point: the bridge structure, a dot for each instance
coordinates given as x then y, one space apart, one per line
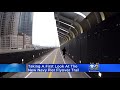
89 37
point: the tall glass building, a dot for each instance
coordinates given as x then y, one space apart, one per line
25 26
15 30
25 23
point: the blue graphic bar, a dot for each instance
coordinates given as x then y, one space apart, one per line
74 68
60 68
12 68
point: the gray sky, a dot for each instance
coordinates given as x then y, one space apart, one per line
44 29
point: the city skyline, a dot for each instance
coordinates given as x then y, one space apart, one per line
23 30
15 30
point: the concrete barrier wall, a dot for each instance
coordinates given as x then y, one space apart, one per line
16 57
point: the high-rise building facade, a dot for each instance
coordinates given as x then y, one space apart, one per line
13 27
20 41
9 29
25 23
25 27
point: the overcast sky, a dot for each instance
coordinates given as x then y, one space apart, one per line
44 29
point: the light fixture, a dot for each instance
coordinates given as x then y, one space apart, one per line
99 74
81 14
65 23
63 30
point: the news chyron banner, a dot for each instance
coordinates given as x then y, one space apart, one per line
13 67
60 67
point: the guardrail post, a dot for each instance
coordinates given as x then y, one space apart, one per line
22 61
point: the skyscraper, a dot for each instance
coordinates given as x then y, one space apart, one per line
25 27
9 29
15 30
25 23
